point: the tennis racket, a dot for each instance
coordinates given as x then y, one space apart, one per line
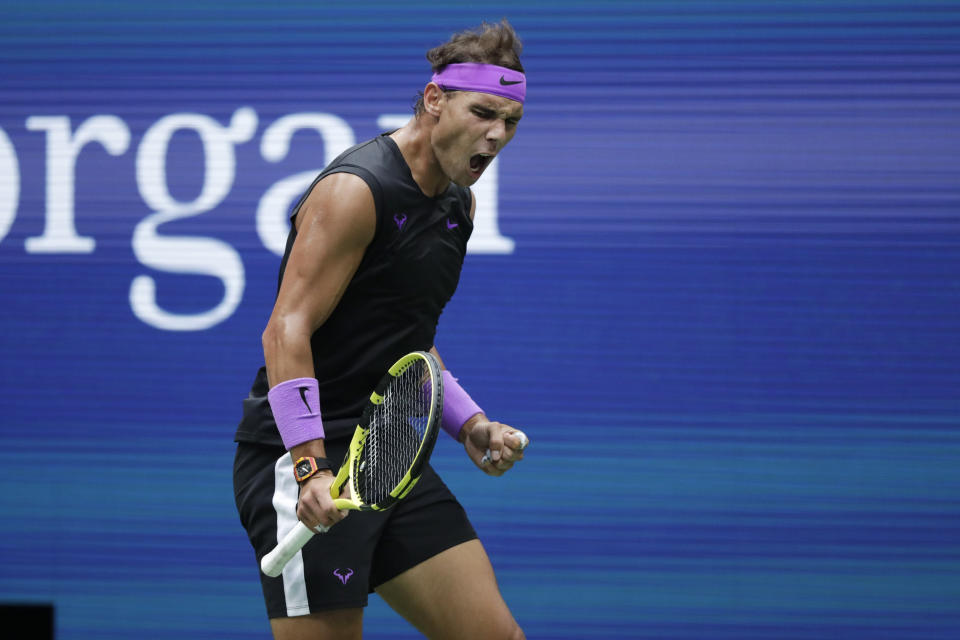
389 449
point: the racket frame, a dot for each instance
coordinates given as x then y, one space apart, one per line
352 459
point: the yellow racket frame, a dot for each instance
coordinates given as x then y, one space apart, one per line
348 469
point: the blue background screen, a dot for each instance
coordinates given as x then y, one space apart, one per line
715 277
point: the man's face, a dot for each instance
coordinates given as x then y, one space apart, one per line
472 129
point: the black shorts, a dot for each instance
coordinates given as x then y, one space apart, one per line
338 569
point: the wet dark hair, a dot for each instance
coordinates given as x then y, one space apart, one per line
488 44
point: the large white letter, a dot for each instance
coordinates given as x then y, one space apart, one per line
59 232
9 184
272 223
486 236
194 255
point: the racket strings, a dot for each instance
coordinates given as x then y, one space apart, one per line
396 430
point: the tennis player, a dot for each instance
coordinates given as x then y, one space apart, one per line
374 253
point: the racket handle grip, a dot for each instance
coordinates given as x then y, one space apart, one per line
273 563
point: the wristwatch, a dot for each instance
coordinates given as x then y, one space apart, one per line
307 467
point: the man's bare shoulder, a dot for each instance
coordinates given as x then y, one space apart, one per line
340 203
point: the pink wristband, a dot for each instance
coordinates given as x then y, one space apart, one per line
296 409
458 407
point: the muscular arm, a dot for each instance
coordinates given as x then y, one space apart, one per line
334 227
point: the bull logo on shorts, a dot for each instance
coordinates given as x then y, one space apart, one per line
343 574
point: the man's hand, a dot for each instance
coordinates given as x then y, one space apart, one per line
493 446
316 506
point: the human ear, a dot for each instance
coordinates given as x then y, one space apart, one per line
433 97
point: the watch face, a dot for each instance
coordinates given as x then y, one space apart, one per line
303 468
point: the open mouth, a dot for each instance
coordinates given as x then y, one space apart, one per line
479 162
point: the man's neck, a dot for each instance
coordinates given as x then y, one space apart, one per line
413 139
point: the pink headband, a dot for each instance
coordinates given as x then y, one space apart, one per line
485 78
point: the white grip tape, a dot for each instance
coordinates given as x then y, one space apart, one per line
273 563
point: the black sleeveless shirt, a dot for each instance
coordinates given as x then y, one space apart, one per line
394 301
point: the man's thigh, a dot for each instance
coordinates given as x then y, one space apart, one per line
453 595
340 624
